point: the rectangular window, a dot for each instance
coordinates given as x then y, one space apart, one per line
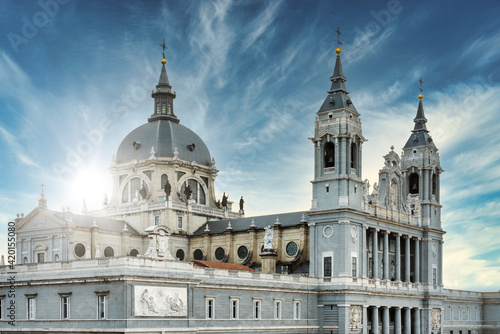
2 306
469 315
296 309
40 257
434 276
277 309
210 308
451 314
64 307
179 222
354 265
31 308
477 315
157 220
235 308
327 266
101 306
256 308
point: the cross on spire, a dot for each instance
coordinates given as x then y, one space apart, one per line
164 47
421 82
339 43
42 187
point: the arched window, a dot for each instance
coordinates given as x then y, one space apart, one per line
434 184
329 156
180 254
196 191
164 179
135 190
109 252
157 108
414 183
354 155
134 252
164 108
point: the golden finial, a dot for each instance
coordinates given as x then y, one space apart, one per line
164 47
338 50
421 96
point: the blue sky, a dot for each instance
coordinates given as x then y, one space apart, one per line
249 77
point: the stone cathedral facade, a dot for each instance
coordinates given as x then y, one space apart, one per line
163 255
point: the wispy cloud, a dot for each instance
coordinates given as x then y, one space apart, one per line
367 43
15 148
261 24
482 51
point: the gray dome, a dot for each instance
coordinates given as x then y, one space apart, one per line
164 136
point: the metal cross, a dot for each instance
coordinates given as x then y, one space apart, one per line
421 82
42 187
339 43
164 47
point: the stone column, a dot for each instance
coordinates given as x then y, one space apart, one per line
416 318
385 320
375 319
365 320
321 317
417 260
397 320
398 257
344 318
407 258
375 253
407 328
386 254
364 247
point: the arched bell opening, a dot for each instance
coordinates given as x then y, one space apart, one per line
329 154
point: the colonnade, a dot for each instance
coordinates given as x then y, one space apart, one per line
404 320
402 259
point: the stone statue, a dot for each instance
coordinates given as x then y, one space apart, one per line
268 238
224 200
366 190
417 207
375 193
188 192
241 203
436 318
408 205
393 270
168 189
355 317
176 154
393 195
151 252
144 192
218 205
97 251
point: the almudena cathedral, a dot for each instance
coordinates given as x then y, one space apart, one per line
164 256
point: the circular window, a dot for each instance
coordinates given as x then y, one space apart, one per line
198 254
219 254
242 252
327 231
109 252
180 254
291 248
79 250
134 252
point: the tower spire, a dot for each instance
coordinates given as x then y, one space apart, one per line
420 135
164 98
42 202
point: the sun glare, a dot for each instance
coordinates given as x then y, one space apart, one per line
89 187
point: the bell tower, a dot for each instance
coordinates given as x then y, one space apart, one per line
337 143
422 171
